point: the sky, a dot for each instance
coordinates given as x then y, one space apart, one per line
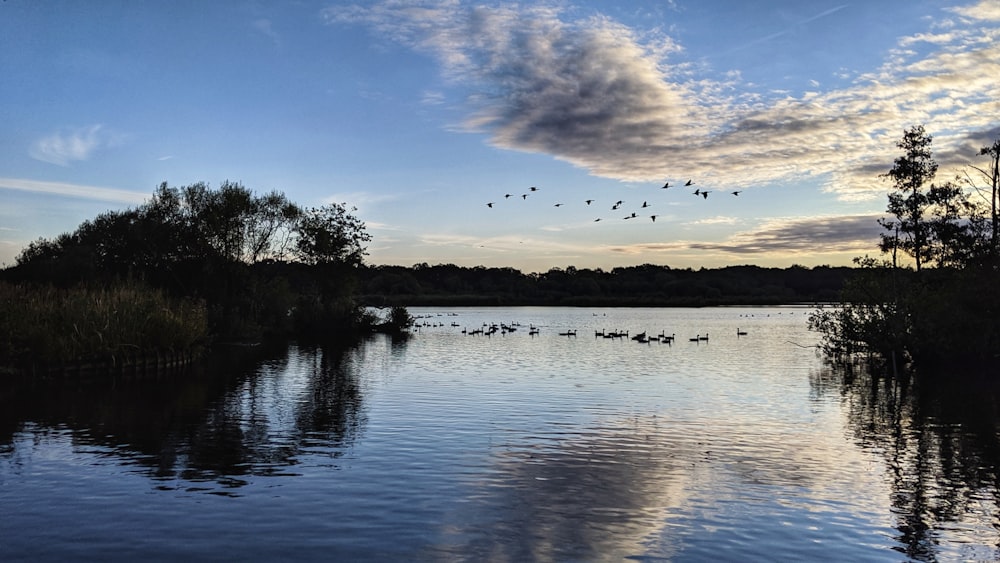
420 114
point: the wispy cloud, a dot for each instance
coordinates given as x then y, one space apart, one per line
717 220
74 190
816 237
793 26
63 147
265 27
358 199
613 101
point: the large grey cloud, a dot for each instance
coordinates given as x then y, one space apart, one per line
610 99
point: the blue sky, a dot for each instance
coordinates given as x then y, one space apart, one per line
420 113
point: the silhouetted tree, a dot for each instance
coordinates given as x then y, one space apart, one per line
330 235
252 258
910 200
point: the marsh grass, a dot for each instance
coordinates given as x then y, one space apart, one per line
50 325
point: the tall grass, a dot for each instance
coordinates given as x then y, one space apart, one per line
48 325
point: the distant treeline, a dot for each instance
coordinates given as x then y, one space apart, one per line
635 286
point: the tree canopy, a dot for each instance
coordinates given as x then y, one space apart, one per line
248 255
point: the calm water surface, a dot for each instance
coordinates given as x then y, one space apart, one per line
510 447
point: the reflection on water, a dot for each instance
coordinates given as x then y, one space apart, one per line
939 442
246 412
444 446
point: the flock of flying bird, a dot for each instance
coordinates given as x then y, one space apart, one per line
617 205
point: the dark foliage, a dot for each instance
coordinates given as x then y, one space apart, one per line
646 285
260 264
940 311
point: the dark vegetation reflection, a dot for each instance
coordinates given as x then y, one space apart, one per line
940 444
216 422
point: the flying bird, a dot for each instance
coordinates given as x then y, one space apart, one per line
632 216
704 195
557 205
689 183
737 192
697 191
589 201
533 188
644 204
665 186
507 196
596 220
653 217
490 204
524 196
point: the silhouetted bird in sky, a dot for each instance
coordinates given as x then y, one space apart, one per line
632 216
557 205
524 196
737 192
644 204
704 195
653 217
490 204
533 188
589 201
665 186
689 183
596 220
507 196
697 191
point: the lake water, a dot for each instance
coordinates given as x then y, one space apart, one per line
513 447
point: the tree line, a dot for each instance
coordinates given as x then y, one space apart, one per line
927 301
645 285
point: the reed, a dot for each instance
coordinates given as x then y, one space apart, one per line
50 325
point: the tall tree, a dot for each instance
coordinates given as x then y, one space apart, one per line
910 173
991 174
